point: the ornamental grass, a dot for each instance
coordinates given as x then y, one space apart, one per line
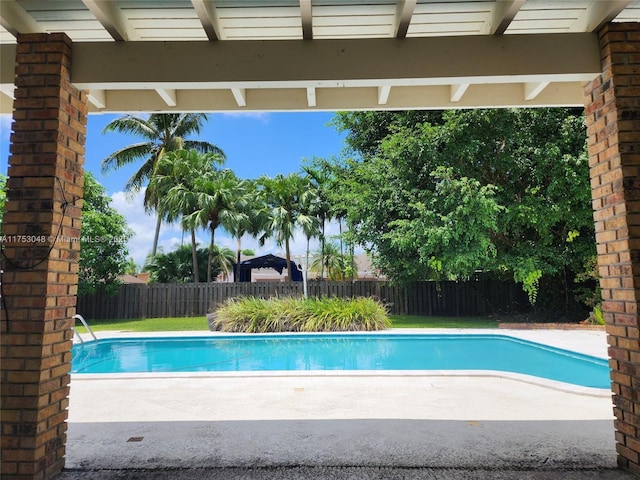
290 314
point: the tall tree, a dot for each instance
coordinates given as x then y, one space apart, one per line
251 218
162 133
216 194
498 190
330 261
103 243
175 178
321 179
285 197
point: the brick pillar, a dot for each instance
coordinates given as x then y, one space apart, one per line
40 272
613 127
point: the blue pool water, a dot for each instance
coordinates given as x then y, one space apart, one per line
339 352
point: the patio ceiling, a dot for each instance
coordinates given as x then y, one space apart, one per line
252 55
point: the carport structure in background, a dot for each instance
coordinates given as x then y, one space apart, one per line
67 59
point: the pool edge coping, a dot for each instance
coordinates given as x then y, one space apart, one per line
519 377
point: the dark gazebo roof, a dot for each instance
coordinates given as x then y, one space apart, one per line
268 261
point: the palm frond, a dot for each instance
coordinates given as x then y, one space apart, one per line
127 155
132 125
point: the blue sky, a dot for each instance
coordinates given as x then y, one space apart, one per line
254 143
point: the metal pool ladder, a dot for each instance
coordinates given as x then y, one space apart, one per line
84 322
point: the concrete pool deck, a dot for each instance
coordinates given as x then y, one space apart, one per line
342 426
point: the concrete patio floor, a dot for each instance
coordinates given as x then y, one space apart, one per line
335 426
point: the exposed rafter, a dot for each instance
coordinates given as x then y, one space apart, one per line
169 96
457 91
597 14
112 19
404 12
383 94
307 19
533 89
15 19
208 16
7 90
240 94
98 98
311 96
501 16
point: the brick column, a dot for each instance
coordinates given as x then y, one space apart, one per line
613 128
39 283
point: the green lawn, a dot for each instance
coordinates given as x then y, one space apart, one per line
419 321
200 323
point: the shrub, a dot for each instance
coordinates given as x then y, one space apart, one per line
257 315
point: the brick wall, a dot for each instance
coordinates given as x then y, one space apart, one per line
40 268
613 128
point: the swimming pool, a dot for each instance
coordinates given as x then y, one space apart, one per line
287 352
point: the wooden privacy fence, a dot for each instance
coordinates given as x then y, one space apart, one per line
479 297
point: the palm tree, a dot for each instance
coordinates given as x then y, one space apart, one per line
163 133
174 182
222 260
215 194
285 197
330 261
318 170
251 218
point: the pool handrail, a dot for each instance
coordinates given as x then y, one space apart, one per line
84 322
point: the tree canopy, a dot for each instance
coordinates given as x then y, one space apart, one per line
103 243
162 133
443 194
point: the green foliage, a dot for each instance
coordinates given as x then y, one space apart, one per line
3 196
287 199
104 236
162 133
131 267
597 316
329 262
257 315
177 266
248 252
530 280
438 195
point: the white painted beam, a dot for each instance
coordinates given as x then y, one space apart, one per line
383 94
112 19
402 19
169 96
330 63
15 19
311 96
501 16
307 19
98 99
597 14
403 98
457 91
240 95
532 90
206 11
